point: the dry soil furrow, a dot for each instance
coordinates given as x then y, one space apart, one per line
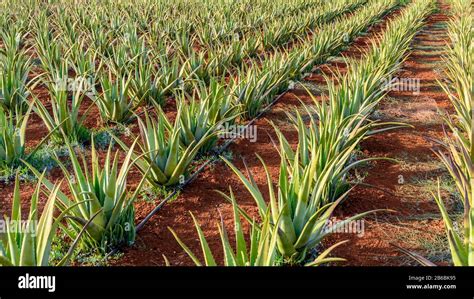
405 186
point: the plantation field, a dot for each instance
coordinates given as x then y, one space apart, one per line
236 133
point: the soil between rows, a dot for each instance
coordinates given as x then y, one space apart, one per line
405 186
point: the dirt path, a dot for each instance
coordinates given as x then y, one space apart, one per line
407 184
200 198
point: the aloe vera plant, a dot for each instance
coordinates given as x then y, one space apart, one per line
194 124
14 91
151 86
49 50
298 206
170 74
12 138
84 63
261 250
305 199
162 157
121 61
64 118
100 38
326 137
342 122
204 118
219 101
28 242
322 143
197 66
115 103
101 193
252 91
13 39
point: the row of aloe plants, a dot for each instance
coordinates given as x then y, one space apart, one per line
313 179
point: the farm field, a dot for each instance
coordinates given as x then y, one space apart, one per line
237 133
